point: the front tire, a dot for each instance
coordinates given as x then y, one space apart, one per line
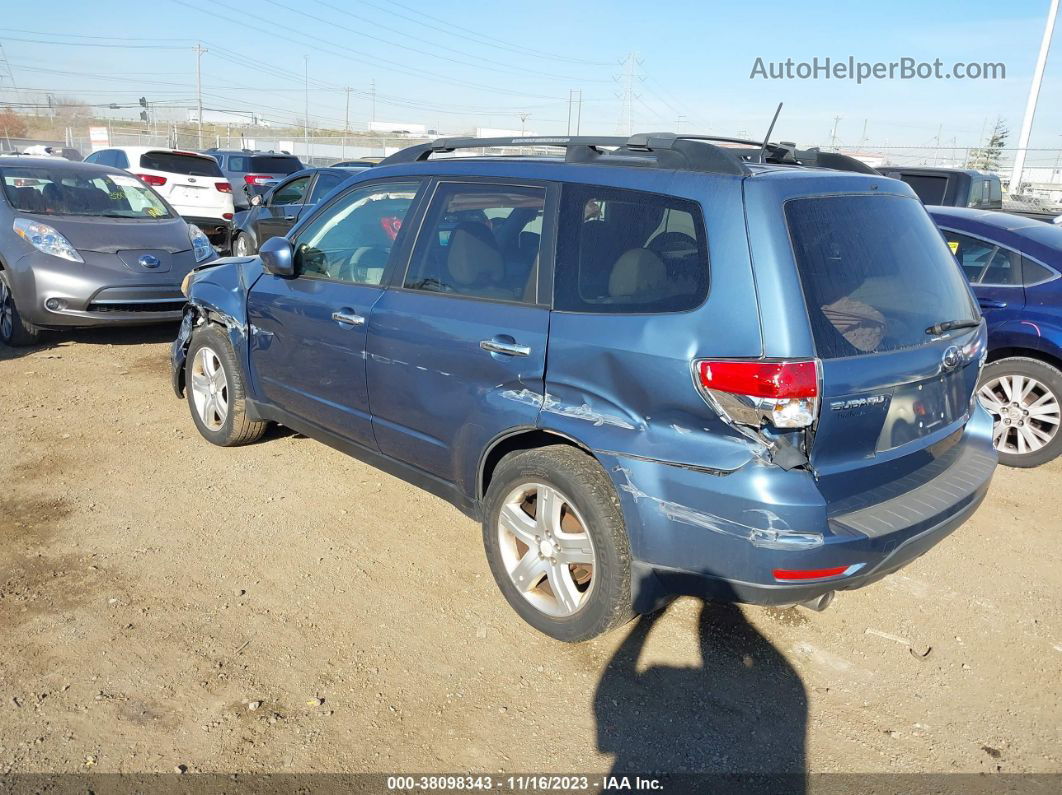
557 544
1023 395
215 391
242 246
14 331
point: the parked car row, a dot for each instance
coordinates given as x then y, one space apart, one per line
754 380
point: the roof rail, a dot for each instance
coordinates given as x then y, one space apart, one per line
660 150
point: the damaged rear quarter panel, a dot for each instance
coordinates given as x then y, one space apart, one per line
624 382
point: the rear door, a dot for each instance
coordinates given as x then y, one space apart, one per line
283 208
877 277
994 273
308 332
457 350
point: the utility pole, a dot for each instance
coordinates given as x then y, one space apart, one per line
306 108
372 100
679 122
199 50
571 92
579 113
936 147
523 123
863 140
630 65
1034 95
346 125
833 135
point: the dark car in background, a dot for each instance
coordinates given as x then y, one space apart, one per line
354 164
88 245
1014 266
252 172
652 367
273 214
950 187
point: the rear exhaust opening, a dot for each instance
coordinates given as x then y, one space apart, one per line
819 603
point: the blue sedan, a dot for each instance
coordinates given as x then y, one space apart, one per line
1014 266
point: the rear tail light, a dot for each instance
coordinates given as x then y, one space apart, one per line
227 216
224 187
786 394
152 179
256 179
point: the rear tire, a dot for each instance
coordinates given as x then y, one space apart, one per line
568 575
215 391
14 331
1023 395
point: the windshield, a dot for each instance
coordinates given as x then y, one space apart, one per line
275 165
875 272
66 192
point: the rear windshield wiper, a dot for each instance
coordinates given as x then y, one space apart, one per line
950 325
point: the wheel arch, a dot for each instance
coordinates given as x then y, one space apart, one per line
1010 352
513 440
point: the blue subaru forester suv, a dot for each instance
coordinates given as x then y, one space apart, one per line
658 365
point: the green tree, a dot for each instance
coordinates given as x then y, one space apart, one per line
988 157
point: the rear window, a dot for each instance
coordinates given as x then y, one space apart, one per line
875 273
273 165
930 190
176 163
623 251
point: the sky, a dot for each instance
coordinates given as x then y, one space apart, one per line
464 64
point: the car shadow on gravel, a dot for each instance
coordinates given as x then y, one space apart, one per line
742 712
132 335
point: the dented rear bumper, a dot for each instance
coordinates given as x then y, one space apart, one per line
725 535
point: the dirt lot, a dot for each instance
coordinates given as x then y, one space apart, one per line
164 602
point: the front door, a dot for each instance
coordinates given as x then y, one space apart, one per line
456 354
308 332
282 208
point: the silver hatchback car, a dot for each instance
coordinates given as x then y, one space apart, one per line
88 245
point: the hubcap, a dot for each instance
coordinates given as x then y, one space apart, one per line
210 389
7 312
546 549
1026 413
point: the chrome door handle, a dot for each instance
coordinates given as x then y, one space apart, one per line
987 303
289 218
349 319
508 348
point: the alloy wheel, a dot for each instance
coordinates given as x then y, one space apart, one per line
210 388
7 312
546 549
1026 413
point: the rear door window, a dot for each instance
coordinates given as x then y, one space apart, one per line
623 251
984 262
326 183
875 273
177 163
480 241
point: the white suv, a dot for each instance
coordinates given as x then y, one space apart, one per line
192 183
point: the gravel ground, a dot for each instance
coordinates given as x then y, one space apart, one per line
164 602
